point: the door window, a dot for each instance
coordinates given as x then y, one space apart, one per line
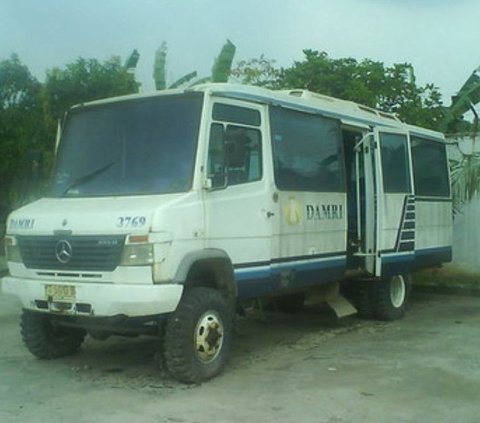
235 151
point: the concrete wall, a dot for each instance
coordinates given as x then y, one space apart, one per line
466 236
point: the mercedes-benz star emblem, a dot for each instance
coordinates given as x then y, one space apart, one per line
63 251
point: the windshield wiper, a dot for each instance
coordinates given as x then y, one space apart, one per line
87 177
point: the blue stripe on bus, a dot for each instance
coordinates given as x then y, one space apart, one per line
432 256
261 280
394 264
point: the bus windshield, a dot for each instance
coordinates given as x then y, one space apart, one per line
133 147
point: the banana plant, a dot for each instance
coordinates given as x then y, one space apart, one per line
220 70
465 171
159 67
223 63
131 62
183 80
222 66
159 72
466 99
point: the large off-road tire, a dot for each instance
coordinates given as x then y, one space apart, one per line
45 339
198 336
359 293
390 297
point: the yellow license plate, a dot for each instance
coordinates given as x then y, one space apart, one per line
60 292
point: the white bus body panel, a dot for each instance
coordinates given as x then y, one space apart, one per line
277 241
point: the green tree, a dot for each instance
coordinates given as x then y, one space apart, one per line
221 68
392 89
86 80
29 112
260 72
389 88
82 81
21 128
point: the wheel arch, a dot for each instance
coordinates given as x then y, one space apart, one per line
209 268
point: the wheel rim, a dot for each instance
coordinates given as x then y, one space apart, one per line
208 336
397 291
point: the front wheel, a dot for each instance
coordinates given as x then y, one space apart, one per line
46 339
390 297
198 336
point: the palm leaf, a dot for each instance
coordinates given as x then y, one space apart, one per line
223 63
465 176
131 62
468 96
201 81
184 79
159 67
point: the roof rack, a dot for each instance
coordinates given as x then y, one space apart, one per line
355 107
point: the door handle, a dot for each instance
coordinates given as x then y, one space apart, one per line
270 214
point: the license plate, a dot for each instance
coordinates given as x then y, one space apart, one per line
60 292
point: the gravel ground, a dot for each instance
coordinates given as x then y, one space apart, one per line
307 367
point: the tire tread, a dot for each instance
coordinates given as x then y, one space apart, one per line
381 302
35 336
179 355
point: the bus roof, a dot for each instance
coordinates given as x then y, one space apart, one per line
349 112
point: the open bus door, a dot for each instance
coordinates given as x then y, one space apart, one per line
386 212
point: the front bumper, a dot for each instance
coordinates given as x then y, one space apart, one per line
96 299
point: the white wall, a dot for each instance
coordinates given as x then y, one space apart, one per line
466 236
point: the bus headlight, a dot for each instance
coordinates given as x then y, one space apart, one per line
137 251
12 249
137 255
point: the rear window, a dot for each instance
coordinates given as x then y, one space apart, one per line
430 167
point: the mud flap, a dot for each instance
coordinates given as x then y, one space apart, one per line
332 296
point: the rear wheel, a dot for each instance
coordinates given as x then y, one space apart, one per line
390 297
46 339
198 336
359 293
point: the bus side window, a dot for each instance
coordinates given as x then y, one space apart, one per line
430 167
307 151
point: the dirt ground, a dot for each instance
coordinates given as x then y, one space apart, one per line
308 367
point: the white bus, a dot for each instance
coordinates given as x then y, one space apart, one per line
169 211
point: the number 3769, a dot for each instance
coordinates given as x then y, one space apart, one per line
131 221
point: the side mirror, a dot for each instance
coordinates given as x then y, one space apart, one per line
216 174
215 181
208 184
59 134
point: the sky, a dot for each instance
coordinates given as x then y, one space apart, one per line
439 37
